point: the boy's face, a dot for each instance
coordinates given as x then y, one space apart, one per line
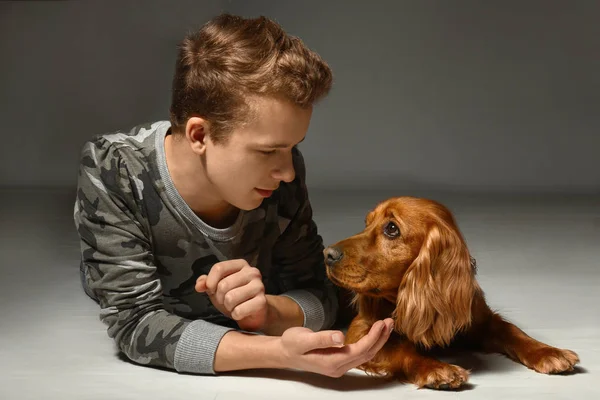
257 157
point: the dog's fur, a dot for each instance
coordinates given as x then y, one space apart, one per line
411 263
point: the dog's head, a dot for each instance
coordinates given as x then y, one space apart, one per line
412 254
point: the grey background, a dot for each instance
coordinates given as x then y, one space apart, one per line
457 96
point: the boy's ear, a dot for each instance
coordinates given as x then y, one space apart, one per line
196 133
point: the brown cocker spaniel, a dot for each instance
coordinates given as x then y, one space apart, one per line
411 263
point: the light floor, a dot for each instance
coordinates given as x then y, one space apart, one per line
539 263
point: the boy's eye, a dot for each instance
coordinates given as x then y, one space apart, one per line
267 152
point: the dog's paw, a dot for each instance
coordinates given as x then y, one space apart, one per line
550 360
443 377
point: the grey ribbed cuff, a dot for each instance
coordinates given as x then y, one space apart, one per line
314 313
195 352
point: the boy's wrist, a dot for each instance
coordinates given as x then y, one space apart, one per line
241 351
282 313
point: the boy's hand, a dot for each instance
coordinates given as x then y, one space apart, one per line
318 352
236 290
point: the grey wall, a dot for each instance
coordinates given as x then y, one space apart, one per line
70 70
459 95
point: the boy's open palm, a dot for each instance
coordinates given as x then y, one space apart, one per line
319 352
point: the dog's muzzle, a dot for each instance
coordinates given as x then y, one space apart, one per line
332 256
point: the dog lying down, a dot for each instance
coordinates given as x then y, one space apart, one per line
411 263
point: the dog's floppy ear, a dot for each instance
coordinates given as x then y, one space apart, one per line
435 296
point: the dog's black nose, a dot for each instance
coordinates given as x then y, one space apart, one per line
332 255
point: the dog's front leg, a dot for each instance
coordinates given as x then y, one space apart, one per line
400 359
403 359
503 337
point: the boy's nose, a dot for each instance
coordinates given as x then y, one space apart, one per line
286 173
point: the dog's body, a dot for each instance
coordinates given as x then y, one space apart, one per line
411 263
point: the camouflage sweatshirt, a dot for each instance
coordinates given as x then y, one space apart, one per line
142 249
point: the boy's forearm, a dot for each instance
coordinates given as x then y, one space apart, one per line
241 351
284 313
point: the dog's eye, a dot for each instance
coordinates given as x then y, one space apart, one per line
391 230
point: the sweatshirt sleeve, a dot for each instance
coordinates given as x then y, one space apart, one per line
298 256
117 257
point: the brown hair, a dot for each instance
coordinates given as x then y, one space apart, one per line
232 58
